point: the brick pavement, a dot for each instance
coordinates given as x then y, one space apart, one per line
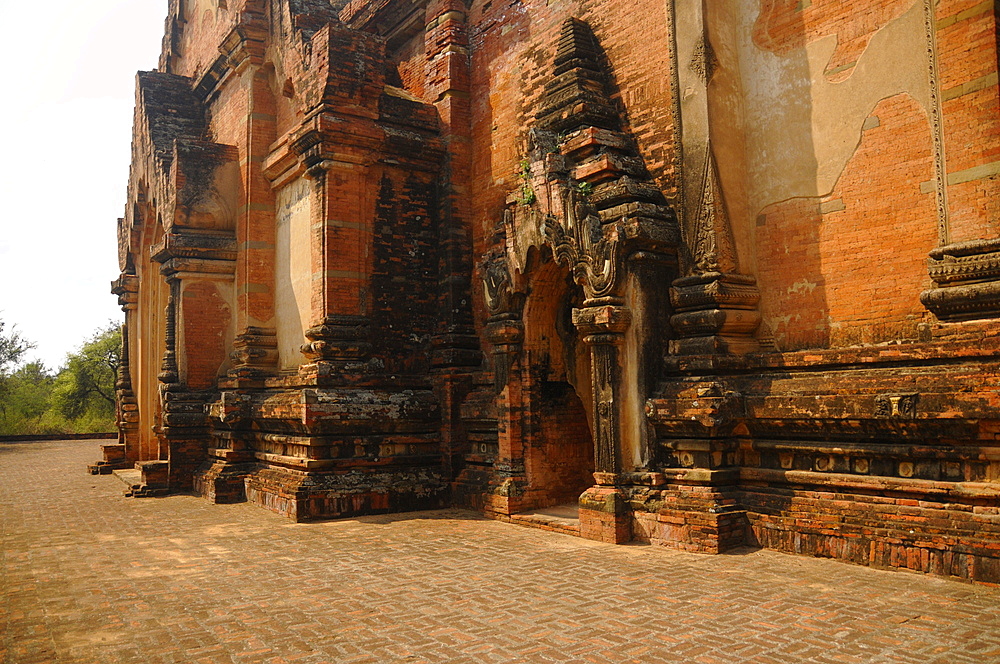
87 575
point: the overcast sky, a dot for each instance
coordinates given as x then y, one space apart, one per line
66 113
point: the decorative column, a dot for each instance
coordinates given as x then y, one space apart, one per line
155 473
168 367
604 513
126 451
505 332
126 287
604 328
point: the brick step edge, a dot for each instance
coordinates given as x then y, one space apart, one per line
106 467
545 524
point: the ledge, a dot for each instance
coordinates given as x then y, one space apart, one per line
963 490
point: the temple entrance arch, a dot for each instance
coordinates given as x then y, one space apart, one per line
557 438
543 400
587 210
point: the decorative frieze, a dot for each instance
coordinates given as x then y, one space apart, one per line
966 278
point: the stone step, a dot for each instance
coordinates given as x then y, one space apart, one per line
139 488
558 518
130 476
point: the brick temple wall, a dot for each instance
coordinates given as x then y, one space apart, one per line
360 251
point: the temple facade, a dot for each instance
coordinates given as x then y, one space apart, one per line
716 273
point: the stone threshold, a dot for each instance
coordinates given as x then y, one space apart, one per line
130 476
558 518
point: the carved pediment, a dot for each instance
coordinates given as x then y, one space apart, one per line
585 192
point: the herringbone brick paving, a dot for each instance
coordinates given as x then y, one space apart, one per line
87 575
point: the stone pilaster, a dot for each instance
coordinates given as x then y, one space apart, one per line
198 268
505 333
714 301
126 287
965 267
604 514
254 355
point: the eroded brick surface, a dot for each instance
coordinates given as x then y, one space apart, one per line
89 576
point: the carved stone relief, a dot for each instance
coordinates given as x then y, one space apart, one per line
896 406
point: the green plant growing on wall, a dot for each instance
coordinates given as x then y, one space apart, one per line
525 194
584 188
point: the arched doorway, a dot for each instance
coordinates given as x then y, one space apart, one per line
557 429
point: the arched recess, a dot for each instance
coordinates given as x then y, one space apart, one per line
148 336
558 439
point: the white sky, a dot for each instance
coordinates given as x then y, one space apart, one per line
66 112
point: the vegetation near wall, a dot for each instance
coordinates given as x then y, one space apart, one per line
79 397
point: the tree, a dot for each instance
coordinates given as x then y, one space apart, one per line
86 384
24 391
80 399
12 349
26 402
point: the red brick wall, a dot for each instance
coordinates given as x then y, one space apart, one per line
205 317
404 282
203 27
411 67
637 44
967 70
848 268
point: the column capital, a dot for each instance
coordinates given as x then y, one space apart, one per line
126 287
602 319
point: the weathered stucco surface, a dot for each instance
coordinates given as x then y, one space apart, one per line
801 128
292 269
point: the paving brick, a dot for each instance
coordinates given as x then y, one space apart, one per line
87 575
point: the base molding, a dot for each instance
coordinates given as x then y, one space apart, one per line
903 533
693 531
306 497
222 483
605 515
113 459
